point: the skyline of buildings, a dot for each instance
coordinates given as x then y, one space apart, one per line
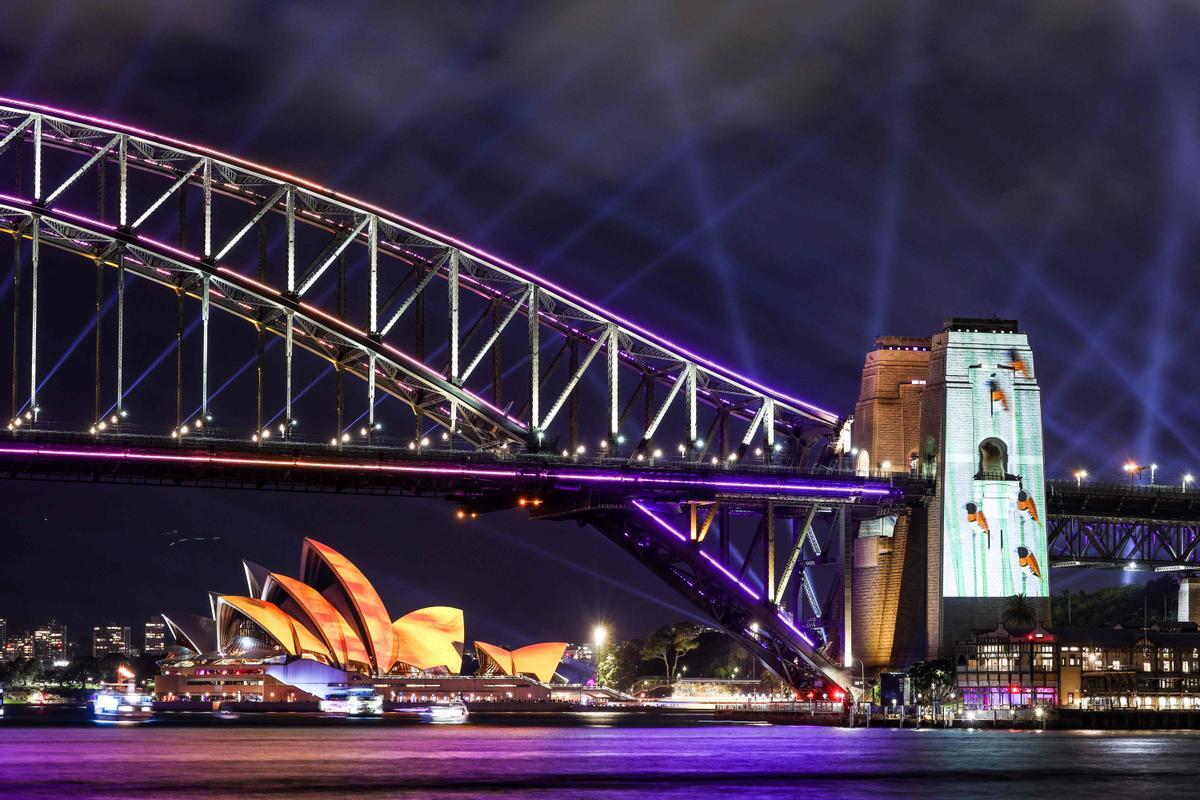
51 642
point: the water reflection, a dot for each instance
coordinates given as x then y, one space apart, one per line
586 756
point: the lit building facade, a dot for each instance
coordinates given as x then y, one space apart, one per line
292 640
154 637
3 639
110 640
1087 668
19 646
50 642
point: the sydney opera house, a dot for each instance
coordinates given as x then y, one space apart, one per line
298 640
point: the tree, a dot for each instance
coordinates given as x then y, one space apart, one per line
670 642
1019 611
618 666
1130 606
934 681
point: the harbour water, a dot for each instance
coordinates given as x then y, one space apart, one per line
593 755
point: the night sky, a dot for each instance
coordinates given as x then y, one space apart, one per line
773 184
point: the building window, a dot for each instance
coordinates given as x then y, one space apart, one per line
993 459
1146 666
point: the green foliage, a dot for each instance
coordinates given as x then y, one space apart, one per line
669 643
1019 611
935 681
21 672
619 665
1129 606
717 656
79 674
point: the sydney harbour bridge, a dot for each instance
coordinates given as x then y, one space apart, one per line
360 351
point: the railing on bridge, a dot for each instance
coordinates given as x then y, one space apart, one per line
1123 526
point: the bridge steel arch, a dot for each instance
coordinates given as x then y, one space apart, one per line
772 423
771 429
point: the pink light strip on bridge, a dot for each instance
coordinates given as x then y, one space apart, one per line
300 462
667 526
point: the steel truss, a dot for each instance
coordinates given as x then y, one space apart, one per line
775 615
748 420
1133 544
727 422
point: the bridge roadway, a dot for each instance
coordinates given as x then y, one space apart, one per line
1093 525
1123 526
478 480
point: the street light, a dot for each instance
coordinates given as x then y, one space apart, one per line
1153 468
1080 474
1187 478
599 636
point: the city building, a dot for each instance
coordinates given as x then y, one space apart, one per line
3 639
584 653
297 640
1157 667
154 637
109 640
19 646
963 409
50 643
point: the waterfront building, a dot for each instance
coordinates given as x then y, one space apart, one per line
1157 667
296 640
154 637
109 640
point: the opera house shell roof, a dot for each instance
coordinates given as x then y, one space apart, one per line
332 614
539 660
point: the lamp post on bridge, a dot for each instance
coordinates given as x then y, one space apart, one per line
1187 478
1080 474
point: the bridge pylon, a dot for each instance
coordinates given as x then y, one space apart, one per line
963 410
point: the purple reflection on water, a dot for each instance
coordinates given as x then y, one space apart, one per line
582 755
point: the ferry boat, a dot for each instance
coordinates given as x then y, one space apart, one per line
122 700
454 712
354 703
